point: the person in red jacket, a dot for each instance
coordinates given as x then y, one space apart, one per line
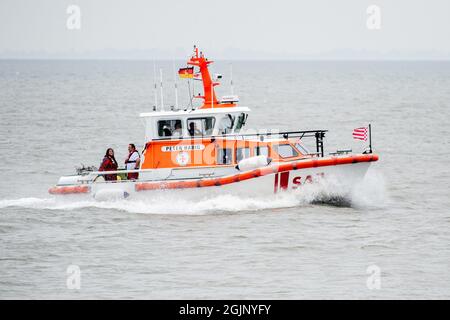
109 163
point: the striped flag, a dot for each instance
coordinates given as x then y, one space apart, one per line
186 72
360 133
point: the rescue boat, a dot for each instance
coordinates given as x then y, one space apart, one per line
207 150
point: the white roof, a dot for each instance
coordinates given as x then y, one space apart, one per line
194 112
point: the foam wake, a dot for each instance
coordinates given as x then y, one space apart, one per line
369 193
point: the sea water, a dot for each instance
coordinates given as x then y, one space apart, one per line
390 241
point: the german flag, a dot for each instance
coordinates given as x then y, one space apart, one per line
186 72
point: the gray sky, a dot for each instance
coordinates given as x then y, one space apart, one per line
226 29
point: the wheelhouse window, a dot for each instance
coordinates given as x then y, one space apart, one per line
200 126
300 147
242 153
226 124
224 156
242 118
261 151
169 128
285 150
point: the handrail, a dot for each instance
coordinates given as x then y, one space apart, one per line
285 134
147 170
117 171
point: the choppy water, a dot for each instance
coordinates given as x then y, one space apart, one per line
55 115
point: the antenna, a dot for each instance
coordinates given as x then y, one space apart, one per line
176 87
162 103
191 96
231 78
155 90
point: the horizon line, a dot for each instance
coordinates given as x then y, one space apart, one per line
222 59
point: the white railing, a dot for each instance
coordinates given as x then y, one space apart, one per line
97 173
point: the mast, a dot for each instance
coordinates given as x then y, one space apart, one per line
176 87
231 78
161 79
208 85
155 91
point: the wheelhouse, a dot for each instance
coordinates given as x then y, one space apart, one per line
194 123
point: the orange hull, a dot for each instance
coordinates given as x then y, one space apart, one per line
69 190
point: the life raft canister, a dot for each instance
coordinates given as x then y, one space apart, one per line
253 163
